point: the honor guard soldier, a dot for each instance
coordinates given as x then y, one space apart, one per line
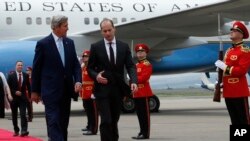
141 97
88 98
29 103
235 66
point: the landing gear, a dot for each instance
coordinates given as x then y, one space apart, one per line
128 105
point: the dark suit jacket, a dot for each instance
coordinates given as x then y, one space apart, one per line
49 75
99 61
13 84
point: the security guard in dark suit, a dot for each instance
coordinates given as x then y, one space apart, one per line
141 97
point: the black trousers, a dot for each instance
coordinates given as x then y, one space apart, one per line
109 109
238 109
143 114
2 113
92 114
21 104
57 117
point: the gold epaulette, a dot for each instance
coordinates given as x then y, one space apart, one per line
245 48
146 62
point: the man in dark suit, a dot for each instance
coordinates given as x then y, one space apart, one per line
56 77
18 82
107 61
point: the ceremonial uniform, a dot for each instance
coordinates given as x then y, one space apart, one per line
29 103
89 103
235 86
144 71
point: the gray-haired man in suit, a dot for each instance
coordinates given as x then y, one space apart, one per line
56 77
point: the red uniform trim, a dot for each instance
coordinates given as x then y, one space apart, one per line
247 110
95 116
148 116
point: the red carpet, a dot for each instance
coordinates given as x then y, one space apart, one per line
8 136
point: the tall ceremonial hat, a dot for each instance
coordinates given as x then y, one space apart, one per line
241 28
29 68
85 53
141 47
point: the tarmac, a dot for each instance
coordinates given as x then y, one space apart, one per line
179 119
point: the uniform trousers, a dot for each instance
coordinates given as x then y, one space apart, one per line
30 110
238 109
2 113
2 95
92 114
143 114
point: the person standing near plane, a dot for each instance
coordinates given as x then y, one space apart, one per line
5 95
89 103
29 103
19 83
56 77
107 61
235 66
141 97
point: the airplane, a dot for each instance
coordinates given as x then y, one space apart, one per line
209 83
179 61
168 27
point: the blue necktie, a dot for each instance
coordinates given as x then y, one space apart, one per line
61 50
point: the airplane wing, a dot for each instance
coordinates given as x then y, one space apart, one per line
201 21
173 31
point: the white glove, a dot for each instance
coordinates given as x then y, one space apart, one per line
92 96
220 64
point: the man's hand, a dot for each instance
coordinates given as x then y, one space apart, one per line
18 93
220 64
10 98
35 97
133 87
101 79
78 87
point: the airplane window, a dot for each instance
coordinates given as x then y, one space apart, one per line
38 20
48 20
115 20
28 20
132 19
9 20
86 20
96 21
124 19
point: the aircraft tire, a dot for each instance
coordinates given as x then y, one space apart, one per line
128 105
154 103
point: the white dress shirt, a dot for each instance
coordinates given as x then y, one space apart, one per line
113 46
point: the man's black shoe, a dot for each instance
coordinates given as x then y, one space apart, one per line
16 134
24 133
29 119
140 137
85 129
88 133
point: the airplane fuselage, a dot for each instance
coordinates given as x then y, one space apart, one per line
21 19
